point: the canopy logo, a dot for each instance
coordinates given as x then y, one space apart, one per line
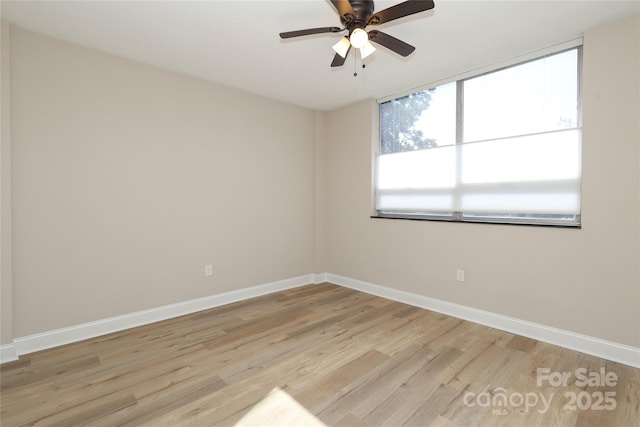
499 400
502 402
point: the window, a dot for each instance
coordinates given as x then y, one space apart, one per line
500 147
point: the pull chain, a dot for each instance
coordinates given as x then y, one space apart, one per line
355 64
355 60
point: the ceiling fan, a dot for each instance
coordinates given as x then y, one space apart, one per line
356 15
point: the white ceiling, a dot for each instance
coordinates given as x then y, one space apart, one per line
236 43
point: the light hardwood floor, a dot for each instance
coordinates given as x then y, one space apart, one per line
350 358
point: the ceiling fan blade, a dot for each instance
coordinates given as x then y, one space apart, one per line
390 42
344 9
309 31
400 10
338 61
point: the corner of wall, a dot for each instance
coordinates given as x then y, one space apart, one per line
320 200
6 286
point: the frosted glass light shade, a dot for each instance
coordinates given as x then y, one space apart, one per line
367 49
358 38
342 47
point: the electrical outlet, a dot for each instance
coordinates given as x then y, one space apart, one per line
208 270
460 275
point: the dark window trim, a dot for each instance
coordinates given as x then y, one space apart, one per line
498 221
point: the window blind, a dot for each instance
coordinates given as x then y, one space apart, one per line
531 174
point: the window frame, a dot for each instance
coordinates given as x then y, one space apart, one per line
463 216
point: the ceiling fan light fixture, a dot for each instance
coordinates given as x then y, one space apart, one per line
358 38
367 49
355 16
342 47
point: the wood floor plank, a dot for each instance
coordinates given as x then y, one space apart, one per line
378 388
478 372
45 373
350 358
89 413
404 401
435 404
158 404
112 382
442 422
323 391
409 398
350 420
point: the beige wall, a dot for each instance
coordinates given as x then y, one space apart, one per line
6 302
586 281
321 207
128 180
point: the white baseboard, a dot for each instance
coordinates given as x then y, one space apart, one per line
8 353
319 278
616 352
601 348
84 331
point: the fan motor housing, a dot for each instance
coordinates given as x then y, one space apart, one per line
363 9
